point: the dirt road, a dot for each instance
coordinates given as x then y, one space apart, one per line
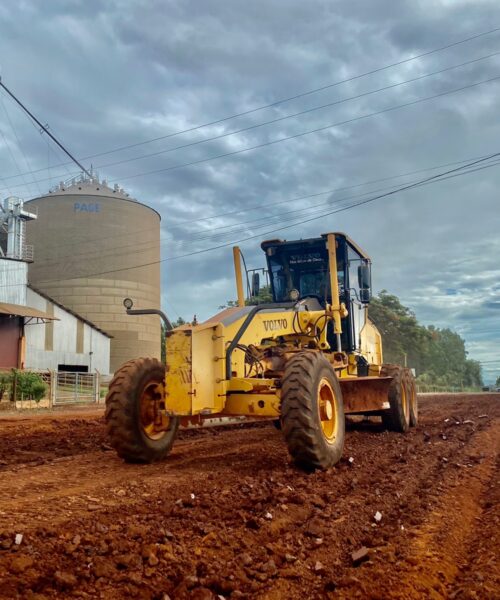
228 516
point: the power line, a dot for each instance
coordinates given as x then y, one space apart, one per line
30 170
308 132
206 235
427 180
150 244
349 187
439 177
280 202
54 139
287 99
300 113
316 130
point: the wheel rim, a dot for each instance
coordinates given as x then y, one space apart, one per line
404 400
413 399
327 410
154 424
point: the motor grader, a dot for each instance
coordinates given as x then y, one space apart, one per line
304 360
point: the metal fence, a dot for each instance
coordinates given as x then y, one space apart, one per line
62 388
424 388
75 388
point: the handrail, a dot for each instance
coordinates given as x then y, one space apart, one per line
151 311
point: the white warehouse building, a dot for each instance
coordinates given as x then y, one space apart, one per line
36 332
67 343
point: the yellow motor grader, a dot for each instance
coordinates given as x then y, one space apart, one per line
304 360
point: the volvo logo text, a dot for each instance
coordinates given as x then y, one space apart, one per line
274 324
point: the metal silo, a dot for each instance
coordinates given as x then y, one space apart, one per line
90 241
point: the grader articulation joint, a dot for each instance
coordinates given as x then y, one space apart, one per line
304 360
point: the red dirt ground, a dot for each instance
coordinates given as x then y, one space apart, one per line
227 515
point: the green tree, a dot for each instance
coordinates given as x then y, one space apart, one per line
438 355
404 340
497 384
264 296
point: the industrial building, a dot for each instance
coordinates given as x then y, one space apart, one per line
36 332
91 241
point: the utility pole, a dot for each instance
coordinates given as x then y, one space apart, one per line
32 116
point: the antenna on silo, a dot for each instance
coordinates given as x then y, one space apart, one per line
45 128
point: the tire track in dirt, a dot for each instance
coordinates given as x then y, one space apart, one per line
256 527
450 531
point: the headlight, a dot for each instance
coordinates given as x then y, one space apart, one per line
128 303
294 295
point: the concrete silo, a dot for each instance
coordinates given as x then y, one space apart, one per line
94 246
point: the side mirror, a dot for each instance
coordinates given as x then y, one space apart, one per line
255 288
365 282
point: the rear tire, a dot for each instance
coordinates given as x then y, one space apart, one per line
312 412
137 431
412 397
397 417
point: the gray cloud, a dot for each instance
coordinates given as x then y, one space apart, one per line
107 74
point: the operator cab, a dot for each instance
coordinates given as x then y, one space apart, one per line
299 270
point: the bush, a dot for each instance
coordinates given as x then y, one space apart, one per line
5 383
29 386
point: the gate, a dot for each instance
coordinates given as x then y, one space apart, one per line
76 388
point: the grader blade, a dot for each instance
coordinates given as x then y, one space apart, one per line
365 394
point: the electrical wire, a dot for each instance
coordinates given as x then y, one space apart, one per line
311 131
152 245
439 177
272 204
432 179
30 170
13 158
294 97
283 217
117 251
296 114
283 227
304 133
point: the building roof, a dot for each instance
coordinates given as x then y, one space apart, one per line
18 310
82 186
68 310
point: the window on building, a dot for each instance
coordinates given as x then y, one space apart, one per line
79 336
49 328
73 368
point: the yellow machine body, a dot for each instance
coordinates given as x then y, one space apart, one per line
304 360
232 364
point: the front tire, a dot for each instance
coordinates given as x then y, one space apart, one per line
138 429
312 412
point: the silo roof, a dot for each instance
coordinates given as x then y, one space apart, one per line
91 187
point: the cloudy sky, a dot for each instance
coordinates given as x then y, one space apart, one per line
108 74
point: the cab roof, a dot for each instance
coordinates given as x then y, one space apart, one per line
338 234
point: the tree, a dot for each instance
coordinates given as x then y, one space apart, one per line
497 384
264 296
438 355
403 338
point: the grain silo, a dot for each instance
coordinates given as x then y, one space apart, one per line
94 246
